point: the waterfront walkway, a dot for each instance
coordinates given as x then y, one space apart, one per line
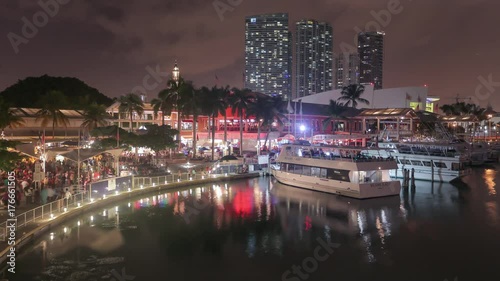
33 223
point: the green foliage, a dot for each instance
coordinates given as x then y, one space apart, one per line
335 111
462 108
50 110
95 116
29 92
106 143
130 104
155 137
351 95
8 117
107 131
8 158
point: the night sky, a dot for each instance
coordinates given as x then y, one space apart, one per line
446 44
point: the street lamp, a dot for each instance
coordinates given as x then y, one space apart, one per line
176 76
489 125
303 130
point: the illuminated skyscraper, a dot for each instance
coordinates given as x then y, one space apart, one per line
268 58
313 58
371 55
347 66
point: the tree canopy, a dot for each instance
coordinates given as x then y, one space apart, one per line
30 91
8 159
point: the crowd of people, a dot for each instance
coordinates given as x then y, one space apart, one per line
59 178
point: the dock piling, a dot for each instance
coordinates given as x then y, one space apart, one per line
405 178
413 178
432 170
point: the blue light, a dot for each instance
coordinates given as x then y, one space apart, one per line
253 20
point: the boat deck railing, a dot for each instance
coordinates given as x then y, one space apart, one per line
358 158
428 152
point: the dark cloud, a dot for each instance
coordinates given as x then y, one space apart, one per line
112 13
109 44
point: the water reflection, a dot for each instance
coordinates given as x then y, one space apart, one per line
489 178
301 210
261 228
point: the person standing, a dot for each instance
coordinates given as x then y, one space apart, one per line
44 195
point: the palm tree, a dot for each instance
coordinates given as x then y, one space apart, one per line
334 111
179 92
258 109
239 101
448 109
220 106
50 111
130 104
196 104
224 94
95 115
162 104
352 95
213 104
190 103
275 114
9 117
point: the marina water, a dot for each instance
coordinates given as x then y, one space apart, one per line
259 229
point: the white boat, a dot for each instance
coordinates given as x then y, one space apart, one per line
446 161
479 153
338 170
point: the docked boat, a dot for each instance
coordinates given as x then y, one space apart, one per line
479 153
338 170
431 161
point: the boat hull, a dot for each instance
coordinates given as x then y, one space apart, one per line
349 189
426 174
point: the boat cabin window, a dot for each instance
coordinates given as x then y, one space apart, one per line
405 161
334 174
427 163
416 163
440 164
457 166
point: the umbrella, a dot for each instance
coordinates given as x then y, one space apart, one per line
229 157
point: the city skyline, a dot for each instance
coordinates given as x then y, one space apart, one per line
347 69
113 46
371 58
313 57
268 56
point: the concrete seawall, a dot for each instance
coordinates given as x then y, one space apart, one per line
32 233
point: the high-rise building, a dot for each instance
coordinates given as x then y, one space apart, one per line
313 57
347 67
371 55
268 58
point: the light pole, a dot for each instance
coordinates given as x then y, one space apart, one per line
78 164
489 125
176 76
303 130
